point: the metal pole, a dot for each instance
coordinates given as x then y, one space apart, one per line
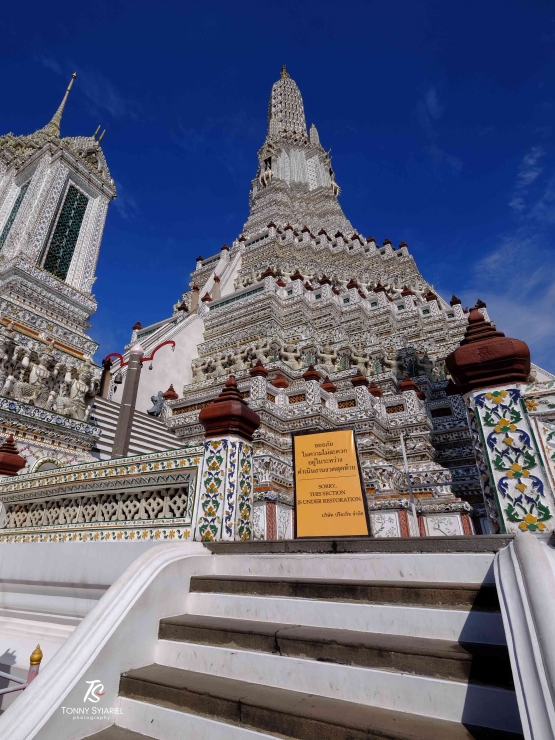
128 401
409 485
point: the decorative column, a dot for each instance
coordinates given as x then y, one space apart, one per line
491 371
127 409
224 506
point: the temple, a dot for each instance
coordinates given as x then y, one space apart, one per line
147 533
323 328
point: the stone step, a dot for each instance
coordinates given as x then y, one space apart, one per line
278 711
456 625
477 663
433 697
149 434
445 596
118 733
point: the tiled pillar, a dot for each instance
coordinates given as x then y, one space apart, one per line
224 506
517 478
492 371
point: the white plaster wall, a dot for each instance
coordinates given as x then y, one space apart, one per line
46 589
229 275
169 368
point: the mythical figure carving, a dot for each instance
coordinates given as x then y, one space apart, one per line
157 404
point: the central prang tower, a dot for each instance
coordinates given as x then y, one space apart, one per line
295 182
324 328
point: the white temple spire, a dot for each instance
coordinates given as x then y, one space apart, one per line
53 128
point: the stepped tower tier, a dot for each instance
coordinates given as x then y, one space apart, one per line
295 183
54 197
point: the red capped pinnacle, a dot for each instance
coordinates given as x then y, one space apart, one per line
328 386
11 462
486 357
280 382
312 374
137 326
359 379
258 370
170 394
229 414
407 384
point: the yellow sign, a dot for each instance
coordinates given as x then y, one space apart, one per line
329 498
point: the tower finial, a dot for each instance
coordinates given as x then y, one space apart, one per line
53 128
284 72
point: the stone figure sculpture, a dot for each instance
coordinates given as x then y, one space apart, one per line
157 405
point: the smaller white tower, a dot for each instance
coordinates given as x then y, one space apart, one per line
54 196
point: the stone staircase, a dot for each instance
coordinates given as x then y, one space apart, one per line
149 434
332 659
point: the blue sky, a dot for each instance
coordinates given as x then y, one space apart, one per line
440 117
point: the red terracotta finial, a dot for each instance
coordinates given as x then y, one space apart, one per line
11 462
258 371
196 288
229 414
206 298
281 283
170 394
216 279
487 358
312 374
280 382
455 301
328 386
431 296
137 326
225 248
359 379
409 385
406 291
352 284
374 390
297 276
268 273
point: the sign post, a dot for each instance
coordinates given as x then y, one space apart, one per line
330 497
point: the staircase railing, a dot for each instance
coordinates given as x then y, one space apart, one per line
525 577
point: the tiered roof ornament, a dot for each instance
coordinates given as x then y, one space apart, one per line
53 127
87 148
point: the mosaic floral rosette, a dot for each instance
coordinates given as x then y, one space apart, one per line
524 499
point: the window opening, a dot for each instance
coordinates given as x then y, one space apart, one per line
66 233
13 213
